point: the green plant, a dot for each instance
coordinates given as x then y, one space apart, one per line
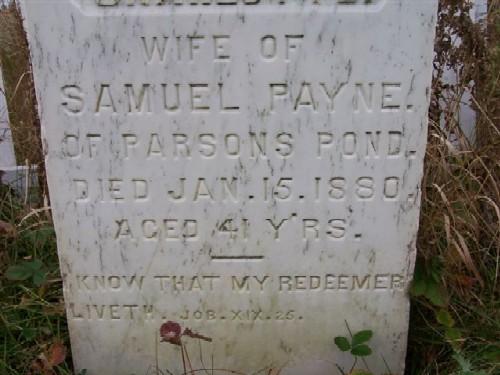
455 294
34 270
452 334
427 282
357 346
33 330
466 366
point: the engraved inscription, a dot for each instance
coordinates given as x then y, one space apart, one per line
131 3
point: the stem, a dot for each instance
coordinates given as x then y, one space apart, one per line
201 357
386 365
156 355
188 359
183 359
354 364
340 369
348 329
366 364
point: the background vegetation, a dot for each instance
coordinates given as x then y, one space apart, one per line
455 322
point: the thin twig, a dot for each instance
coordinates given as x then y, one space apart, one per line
183 359
201 355
354 364
340 369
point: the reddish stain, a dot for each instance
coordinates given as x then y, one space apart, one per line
171 332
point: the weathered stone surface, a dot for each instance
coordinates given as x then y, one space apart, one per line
7 156
249 169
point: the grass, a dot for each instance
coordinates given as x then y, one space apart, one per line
455 322
31 317
455 319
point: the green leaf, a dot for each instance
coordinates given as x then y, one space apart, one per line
464 364
34 265
29 333
361 351
445 318
342 343
23 271
435 294
435 269
491 354
361 337
418 287
452 334
39 278
18 272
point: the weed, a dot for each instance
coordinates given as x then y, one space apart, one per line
34 270
455 315
357 346
465 367
33 331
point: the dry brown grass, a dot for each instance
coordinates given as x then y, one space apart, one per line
19 90
459 236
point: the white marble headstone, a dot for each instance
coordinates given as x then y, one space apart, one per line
249 169
7 155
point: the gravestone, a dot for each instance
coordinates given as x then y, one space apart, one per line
18 178
247 169
466 114
7 156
